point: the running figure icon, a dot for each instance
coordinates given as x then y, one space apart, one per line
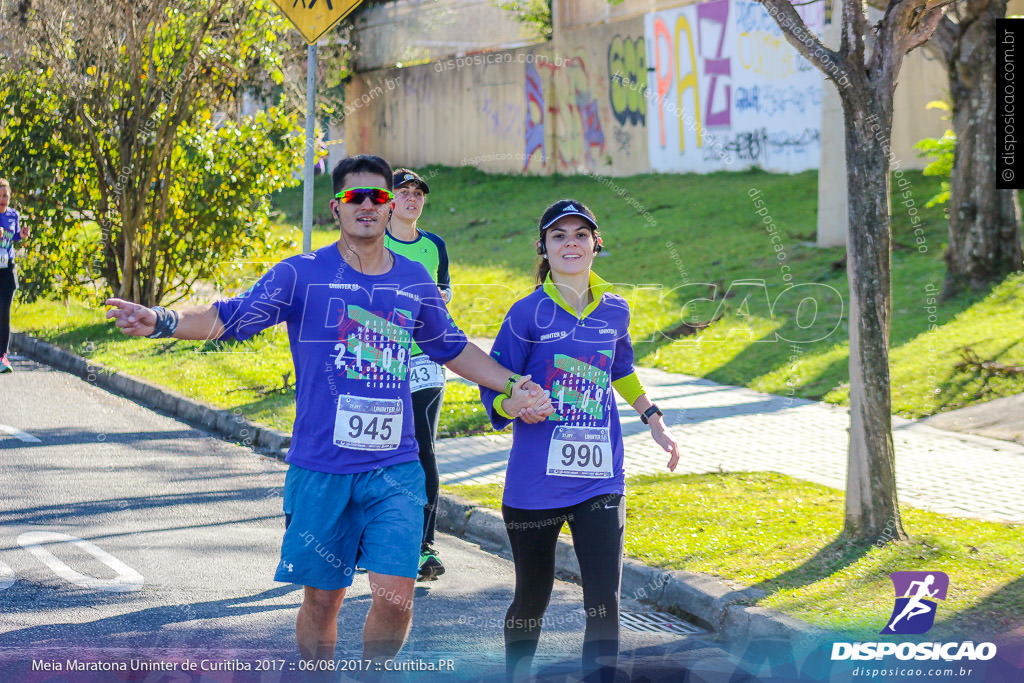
915 607
916 603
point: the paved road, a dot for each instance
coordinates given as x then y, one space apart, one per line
126 534
736 429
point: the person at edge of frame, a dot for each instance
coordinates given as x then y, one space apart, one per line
11 230
427 378
572 333
353 493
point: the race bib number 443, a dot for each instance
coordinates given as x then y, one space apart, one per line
368 424
425 373
583 452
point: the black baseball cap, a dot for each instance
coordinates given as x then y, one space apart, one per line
404 176
563 208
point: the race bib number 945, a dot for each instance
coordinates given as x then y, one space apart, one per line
368 424
583 452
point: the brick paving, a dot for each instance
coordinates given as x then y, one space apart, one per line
732 429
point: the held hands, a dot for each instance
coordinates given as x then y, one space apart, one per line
663 437
133 319
529 402
24 232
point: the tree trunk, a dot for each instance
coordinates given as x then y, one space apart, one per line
866 88
984 233
871 507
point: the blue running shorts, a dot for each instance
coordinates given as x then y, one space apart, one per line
335 522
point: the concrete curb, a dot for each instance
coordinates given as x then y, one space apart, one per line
228 424
708 601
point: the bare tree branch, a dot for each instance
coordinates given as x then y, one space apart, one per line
906 24
802 38
924 27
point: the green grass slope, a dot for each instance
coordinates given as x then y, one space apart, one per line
684 249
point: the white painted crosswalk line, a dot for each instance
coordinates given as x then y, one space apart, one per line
18 434
127 579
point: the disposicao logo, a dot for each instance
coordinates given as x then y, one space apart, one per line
915 607
914 613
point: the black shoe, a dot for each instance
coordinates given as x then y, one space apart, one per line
430 565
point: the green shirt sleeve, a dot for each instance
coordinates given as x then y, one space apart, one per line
629 387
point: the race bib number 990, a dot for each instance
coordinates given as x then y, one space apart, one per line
583 452
3 257
368 424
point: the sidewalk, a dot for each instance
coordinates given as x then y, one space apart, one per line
726 428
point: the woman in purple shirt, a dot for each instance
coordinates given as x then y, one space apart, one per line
572 335
11 231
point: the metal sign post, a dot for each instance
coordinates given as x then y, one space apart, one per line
307 175
312 18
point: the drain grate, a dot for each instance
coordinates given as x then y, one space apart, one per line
657 622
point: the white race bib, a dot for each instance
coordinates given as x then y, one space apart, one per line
3 258
368 424
425 373
584 452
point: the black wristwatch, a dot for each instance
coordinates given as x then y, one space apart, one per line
653 410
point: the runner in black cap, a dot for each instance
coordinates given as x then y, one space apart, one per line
427 377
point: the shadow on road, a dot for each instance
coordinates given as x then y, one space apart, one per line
150 621
80 512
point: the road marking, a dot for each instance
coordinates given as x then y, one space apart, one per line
18 434
127 579
6 576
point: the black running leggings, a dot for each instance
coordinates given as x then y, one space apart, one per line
426 409
597 527
8 283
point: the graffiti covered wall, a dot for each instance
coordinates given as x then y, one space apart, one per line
579 117
459 112
556 109
725 91
702 87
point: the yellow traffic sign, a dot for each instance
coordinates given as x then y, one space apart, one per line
313 18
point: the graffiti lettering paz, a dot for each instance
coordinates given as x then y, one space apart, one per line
726 90
627 68
688 82
666 63
712 20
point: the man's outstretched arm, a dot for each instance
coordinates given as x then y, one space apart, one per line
476 366
529 399
197 322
